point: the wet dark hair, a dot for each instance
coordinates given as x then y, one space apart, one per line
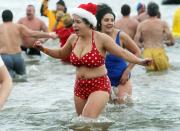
159 14
61 2
102 10
88 23
152 9
125 10
7 16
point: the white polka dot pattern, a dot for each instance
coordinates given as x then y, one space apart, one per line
90 59
84 87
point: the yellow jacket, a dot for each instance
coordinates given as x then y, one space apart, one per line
51 14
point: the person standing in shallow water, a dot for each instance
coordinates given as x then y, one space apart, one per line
127 23
150 36
11 36
5 83
117 68
87 49
32 23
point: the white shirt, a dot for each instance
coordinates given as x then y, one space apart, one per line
1 62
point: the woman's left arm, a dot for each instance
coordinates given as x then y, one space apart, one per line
110 46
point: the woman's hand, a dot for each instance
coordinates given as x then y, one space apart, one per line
146 62
53 35
38 45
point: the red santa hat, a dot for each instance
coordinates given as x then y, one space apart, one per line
87 11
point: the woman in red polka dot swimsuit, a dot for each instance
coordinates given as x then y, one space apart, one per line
87 49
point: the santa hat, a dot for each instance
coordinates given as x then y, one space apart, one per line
87 11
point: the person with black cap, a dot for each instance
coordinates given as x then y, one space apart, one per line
52 14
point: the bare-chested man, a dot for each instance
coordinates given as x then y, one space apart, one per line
150 36
10 40
32 23
127 23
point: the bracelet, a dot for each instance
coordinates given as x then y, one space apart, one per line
45 50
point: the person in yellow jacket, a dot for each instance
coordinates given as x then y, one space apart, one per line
176 23
51 14
150 36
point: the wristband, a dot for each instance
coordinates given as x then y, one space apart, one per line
45 50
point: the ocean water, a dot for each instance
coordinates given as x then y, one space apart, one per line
45 101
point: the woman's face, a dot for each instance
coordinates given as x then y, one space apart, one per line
107 23
78 25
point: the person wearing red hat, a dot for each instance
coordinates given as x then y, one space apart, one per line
87 49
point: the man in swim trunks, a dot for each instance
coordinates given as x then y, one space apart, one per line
5 83
10 40
150 36
32 23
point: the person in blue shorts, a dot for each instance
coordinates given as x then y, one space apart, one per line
11 36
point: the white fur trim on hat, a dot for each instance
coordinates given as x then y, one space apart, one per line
85 14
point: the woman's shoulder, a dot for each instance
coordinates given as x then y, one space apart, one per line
101 35
73 37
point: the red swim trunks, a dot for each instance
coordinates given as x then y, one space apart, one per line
84 87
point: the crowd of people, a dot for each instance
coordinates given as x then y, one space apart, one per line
103 49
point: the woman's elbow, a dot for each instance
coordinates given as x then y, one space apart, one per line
138 52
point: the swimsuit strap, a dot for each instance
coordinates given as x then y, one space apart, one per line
75 42
118 38
93 42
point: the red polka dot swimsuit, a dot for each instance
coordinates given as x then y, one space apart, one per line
84 87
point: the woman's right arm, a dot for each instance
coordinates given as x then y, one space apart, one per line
59 53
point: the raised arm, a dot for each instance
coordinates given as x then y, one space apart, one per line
5 85
44 8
